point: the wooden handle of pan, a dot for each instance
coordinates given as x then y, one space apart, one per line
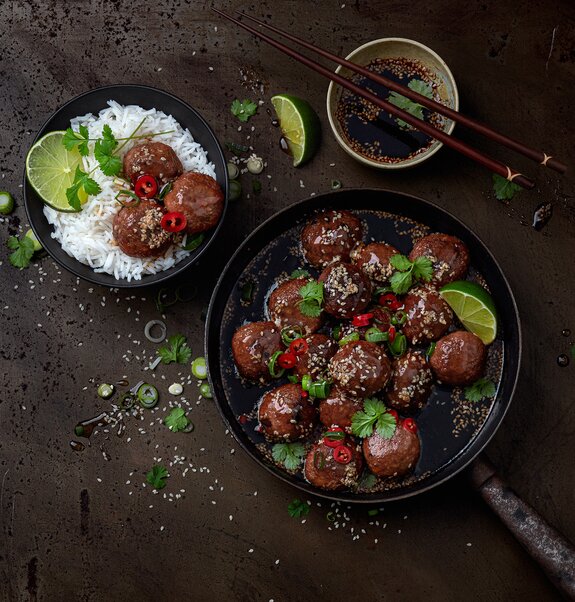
554 554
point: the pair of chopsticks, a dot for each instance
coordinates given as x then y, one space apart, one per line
492 164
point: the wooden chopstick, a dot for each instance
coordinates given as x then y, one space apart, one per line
539 156
495 166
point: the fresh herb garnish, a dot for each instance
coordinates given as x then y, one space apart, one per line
311 299
157 476
176 350
237 149
374 413
82 180
23 250
368 481
503 188
479 389
77 139
299 274
288 454
193 242
176 420
297 508
244 109
409 106
110 164
408 272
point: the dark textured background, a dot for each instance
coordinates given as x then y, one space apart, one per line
67 536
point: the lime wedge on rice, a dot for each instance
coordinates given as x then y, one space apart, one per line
300 126
50 169
474 307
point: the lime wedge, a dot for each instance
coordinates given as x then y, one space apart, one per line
474 307
300 126
50 169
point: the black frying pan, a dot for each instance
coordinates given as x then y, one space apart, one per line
452 437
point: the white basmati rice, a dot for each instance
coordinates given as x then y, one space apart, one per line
87 235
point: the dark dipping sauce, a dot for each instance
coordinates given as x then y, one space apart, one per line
373 132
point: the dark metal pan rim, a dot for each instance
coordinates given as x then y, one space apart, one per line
466 455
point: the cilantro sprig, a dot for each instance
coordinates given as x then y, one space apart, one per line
288 454
374 414
244 109
157 476
311 299
408 272
23 250
407 105
176 420
299 273
176 350
479 389
297 508
503 188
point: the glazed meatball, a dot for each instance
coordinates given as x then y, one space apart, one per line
284 309
200 198
459 358
329 237
428 315
395 456
152 158
323 471
411 383
315 360
360 368
450 257
346 290
338 408
138 232
252 346
373 260
285 415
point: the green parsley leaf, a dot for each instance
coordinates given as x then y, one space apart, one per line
157 476
479 389
408 271
77 139
288 454
400 262
110 164
401 282
176 350
311 299
297 508
374 413
422 268
107 133
23 251
409 106
368 481
299 274
176 420
244 109
503 188
81 180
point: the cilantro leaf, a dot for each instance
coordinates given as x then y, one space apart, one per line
299 273
401 282
503 188
367 481
77 139
297 508
176 420
110 164
288 454
479 389
23 251
311 299
176 350
422 268
407 105
408 272
107 133
81 181
157 476
244 109
421 87
374 413
400 262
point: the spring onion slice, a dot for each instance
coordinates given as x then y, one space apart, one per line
199 369
205 391
235 190
306 382
148 396
6 203
374 335
127 198
105 391
399 345
399 318
148 331
127 400
319 389
353 336
290 334
272 366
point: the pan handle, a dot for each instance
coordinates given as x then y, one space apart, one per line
554 554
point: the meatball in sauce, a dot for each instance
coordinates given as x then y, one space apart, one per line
322 470
428 315
152 158
373 260
253 344
346 290
395 456
459 358
315 360
411 383
283 307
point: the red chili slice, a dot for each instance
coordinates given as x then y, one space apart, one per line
298 347
342 454
336 440
391 334
362 319
146 186
394 414
391 301
304 394
410 425
286 360
173 221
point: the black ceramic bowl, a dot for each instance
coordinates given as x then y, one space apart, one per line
93 102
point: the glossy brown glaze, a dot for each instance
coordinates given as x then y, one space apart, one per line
199 197
459 358
338 408
323 471
315 360
252 346
450 256
152 158
373 260
329 237
283 307
346 290
428 315
392 457
285 415
411 382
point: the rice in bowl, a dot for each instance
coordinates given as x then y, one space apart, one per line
87 235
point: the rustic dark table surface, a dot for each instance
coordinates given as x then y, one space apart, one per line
81 526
